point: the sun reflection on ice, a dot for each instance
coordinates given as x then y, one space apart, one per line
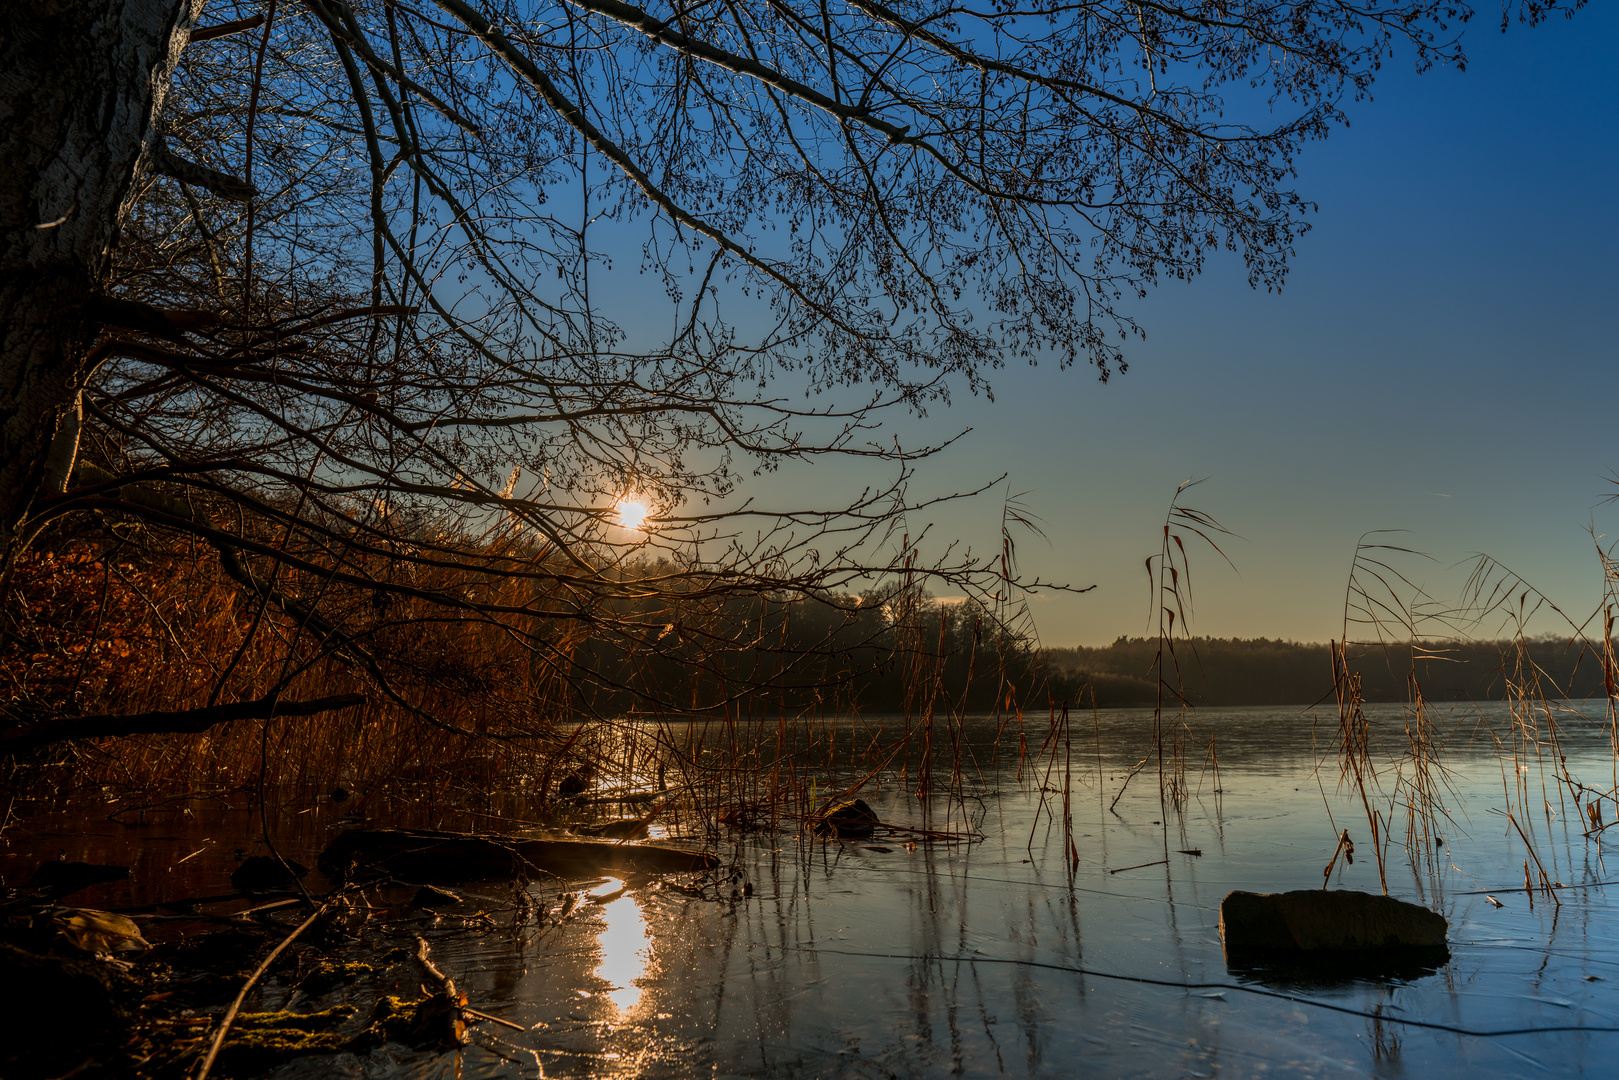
624 945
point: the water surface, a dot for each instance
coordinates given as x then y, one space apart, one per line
995 957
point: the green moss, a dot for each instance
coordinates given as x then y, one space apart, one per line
325 1020
260 1040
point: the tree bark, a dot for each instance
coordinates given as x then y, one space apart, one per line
82 83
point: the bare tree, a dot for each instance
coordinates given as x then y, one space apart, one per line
340 289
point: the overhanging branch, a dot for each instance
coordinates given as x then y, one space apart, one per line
166 163
21 740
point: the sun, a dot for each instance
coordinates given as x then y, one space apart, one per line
630 514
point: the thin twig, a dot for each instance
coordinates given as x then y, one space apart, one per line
1138 866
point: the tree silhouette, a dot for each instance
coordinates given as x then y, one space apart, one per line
341 291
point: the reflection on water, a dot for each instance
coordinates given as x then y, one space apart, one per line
623 944
870 959
1284 971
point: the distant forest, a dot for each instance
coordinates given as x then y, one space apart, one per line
876 654
1260 671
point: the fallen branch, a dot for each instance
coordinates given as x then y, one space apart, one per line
235 1006
446 1003
21 740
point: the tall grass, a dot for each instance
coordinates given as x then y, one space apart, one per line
128 628
1169 574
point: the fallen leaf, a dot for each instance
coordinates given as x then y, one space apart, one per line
98 931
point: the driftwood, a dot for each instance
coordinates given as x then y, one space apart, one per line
429 855
442 1016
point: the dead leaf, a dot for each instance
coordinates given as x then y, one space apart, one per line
98 931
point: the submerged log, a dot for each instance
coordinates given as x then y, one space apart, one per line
261 873
59 878
1313 920
619 829
431 855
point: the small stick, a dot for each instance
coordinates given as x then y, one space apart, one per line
273 905
492 1019
1577 885
1138 866
1139 766
1526 879
1343 840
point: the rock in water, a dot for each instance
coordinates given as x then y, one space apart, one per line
851 820
1312 920
62 878
260 873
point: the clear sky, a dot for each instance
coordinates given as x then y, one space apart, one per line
1443 360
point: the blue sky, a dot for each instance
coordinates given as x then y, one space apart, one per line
1443 360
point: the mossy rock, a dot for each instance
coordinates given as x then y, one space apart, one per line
421 1024
851 820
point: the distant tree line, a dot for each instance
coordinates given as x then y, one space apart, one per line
889 650
1263 671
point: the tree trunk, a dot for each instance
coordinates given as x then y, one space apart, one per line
82 83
